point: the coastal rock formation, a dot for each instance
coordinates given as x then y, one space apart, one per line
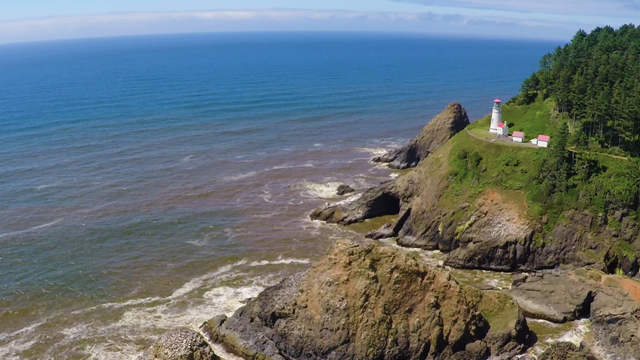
180 345
344 190
553 297
565 351
438 131
491 231
611 302
367 301
378 201
615 317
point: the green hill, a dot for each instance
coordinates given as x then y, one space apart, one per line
592 162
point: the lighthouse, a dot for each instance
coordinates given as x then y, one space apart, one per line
496 117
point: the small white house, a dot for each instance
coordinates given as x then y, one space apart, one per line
503 129
518 137
543 141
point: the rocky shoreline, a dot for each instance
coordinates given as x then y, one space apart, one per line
371 300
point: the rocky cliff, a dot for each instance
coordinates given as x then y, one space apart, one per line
611 302
441 128
491 228
367 301
488 228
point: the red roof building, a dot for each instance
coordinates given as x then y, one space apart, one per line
518 134
543 138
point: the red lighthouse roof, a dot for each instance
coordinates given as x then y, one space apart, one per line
501 125
497 101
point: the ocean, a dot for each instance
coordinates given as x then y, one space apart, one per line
154 182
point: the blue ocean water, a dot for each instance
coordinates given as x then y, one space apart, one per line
153 182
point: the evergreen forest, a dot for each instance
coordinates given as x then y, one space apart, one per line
595 81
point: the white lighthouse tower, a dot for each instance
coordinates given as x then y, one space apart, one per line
496 117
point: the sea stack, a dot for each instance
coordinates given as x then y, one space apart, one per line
438 131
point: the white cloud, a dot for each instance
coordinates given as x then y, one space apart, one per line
275 20
622 8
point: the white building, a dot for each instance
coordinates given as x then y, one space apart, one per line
503 129
518 136
543 141
496 116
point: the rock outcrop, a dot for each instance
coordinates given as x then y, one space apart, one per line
366 301
180 345
490 231
378 201
344 190
612 304
615 317
565 351
554 297
438 131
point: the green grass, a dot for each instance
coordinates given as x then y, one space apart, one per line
482 133
533 119
498 167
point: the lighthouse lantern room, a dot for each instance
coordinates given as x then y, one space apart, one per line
496 117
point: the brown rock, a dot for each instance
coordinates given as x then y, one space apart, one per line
615 317
180 345
566 351
344 190
366 301
553 296
438 131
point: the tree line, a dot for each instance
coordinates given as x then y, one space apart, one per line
595 83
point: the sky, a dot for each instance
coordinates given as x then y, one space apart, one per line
38 20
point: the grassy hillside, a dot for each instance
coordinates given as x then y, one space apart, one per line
533 119
552 180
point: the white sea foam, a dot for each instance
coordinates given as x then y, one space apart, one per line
35 228
266 196
373 151
196 301
227 299
240 176
280 261
188 158
266 215
113 351
576 334
46 186
198 243
325 191
201 280
18 341
8 351
308 164
28 329
348 200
